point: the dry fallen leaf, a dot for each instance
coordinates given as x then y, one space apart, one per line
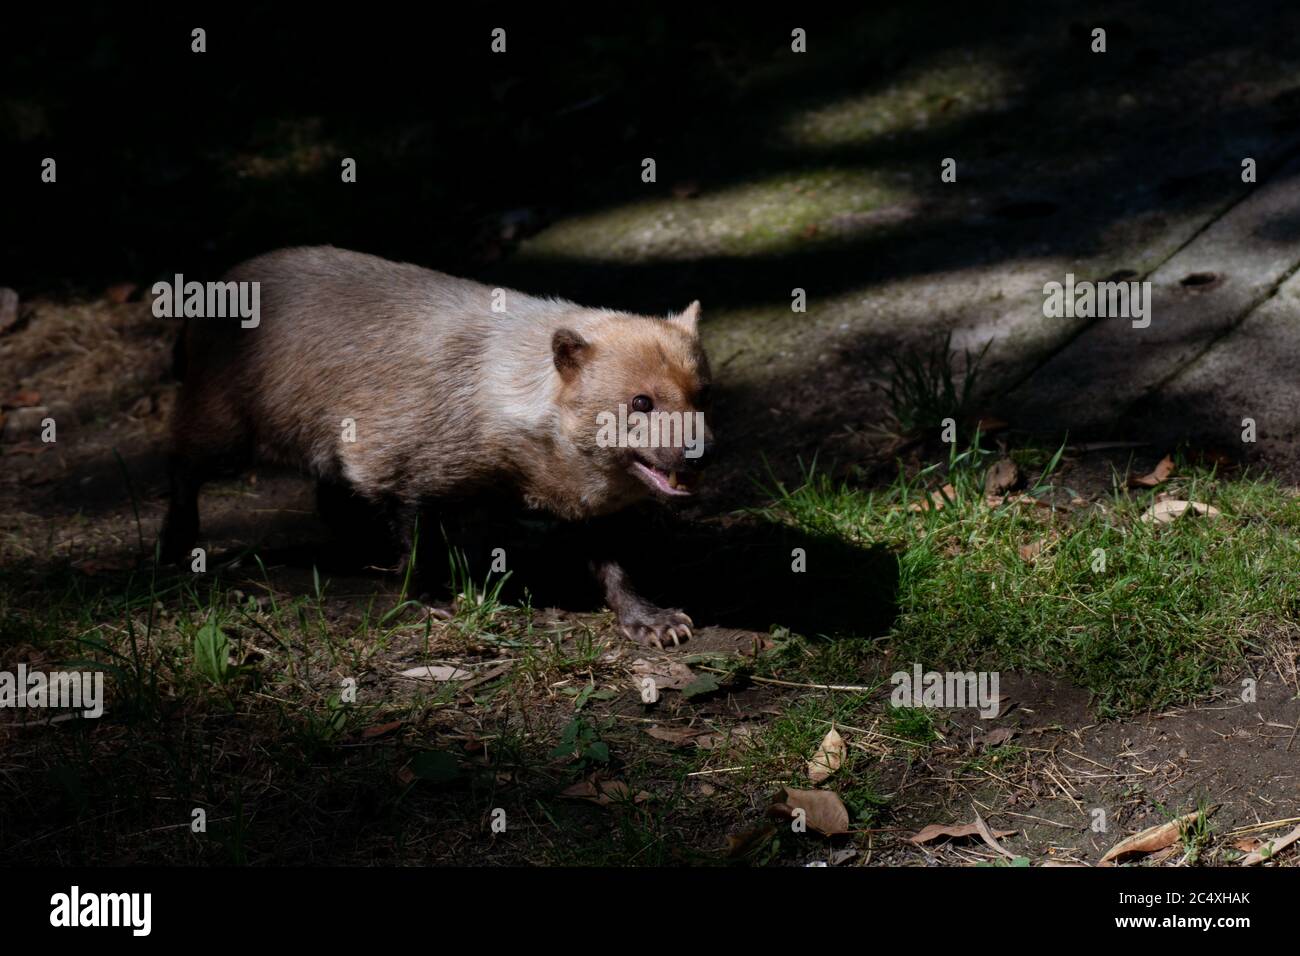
1155 859
995 737
828 758
378 730
936 830
667 675
988 836
936 501
1157 477
438 672
823 810
1030 551
603 792
1152 838
1270 849
1171 509
1002 476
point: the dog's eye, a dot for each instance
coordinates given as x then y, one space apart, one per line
642 403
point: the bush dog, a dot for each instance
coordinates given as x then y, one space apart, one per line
411 387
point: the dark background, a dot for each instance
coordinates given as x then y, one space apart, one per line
174 161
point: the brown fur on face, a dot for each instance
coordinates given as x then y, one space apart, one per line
623 359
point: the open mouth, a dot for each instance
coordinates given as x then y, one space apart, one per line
667 482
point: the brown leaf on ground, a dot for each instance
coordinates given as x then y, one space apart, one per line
1152 838
667 675
936 830
995 737
823 810
828 758
988 836
1270 849
1033 549
1002 476
1030 551
1159 476
1171 509
437 672
603 792
378 730
937 500
1155 859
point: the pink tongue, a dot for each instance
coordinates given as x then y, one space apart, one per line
659 478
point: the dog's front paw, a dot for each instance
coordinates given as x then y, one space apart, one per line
653 625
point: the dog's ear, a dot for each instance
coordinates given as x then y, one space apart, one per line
570 351
689 318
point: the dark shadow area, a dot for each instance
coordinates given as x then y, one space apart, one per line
175 161
736 574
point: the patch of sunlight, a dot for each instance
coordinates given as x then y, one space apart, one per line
774 215
938 95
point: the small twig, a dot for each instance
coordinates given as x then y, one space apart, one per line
1264 826
703 773
850 688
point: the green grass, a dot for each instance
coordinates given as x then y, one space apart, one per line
1174 606
225 691
911 723
925 387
